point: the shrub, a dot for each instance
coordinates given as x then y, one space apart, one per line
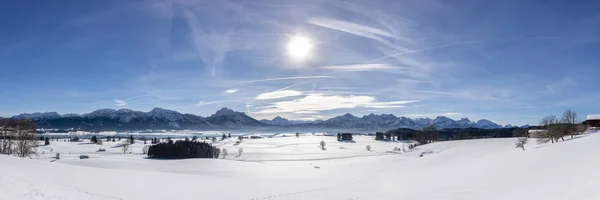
224 153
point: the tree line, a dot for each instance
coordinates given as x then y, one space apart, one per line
425 136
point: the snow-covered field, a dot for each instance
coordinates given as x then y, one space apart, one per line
296 168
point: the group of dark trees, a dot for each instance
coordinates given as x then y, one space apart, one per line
344 136
430 134
17 137
425 136
183 149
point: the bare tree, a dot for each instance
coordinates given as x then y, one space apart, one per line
551 134
125 148
569 118
224 151
17 137
521 142
322 145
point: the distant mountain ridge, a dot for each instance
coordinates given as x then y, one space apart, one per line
227 119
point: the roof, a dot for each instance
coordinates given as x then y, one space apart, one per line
593 117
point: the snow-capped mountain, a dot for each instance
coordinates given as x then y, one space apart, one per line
387 122
228 118
160 119
278 121
38 116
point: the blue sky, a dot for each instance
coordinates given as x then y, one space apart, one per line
507 61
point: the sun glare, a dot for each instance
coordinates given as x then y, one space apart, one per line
299 48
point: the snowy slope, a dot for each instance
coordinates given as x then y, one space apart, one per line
467 169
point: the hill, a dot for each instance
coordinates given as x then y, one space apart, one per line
468 169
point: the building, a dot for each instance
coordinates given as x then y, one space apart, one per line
537 133
592 120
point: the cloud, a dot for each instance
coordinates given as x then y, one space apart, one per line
561 85
362 67
528 108
120 103
432 115
313 103
354 28
285 78
231 91
420 50
279 94
440 93
338 88
204 103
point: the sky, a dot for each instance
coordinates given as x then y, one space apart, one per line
512 62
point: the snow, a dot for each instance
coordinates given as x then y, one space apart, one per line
593 117
296 168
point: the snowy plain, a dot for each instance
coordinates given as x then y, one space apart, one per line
296 168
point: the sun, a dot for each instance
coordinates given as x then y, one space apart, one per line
299 48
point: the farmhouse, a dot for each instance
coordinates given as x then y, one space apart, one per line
592 120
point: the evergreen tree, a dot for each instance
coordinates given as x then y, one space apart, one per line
131 140
94 139
47 141
229 136
224 136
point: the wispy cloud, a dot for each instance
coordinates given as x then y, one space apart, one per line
419 50
231 91
432 115
528 107
362 67
355 29
278 94
561 85
441 93
319 102
204 103
285 78
339 88
120 103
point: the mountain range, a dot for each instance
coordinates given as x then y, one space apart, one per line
227 119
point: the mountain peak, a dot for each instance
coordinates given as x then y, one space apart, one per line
224 111
349 115
278 118
159 110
